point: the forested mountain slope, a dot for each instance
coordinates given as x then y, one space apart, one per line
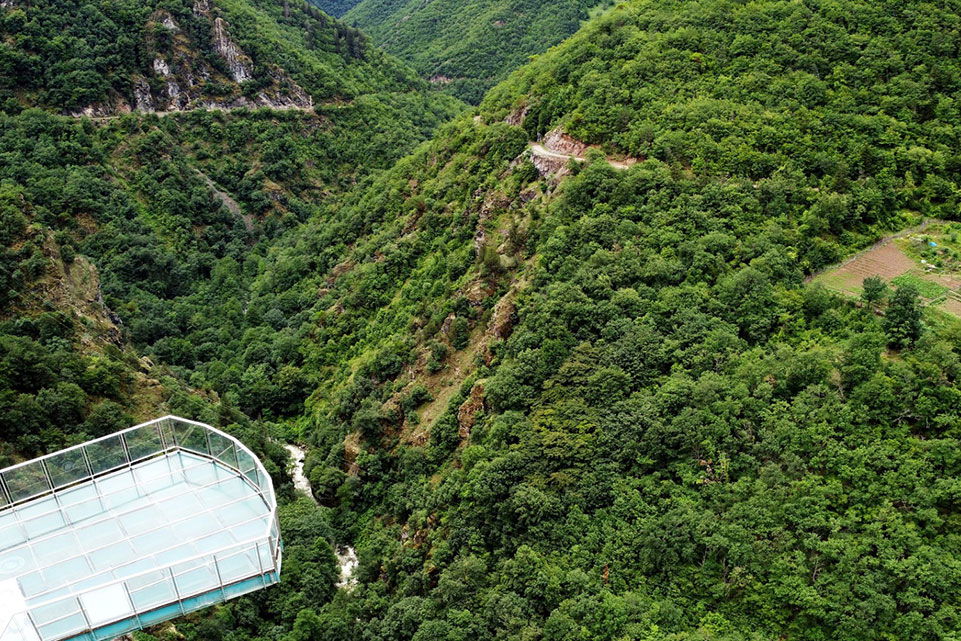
173 214
605 405
129 241
336 8
544 401
107 58
466 47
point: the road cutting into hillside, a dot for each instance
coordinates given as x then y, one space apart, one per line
174 112
539 150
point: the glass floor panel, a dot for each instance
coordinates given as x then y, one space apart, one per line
171 527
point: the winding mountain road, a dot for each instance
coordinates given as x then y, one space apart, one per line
164 114
541 151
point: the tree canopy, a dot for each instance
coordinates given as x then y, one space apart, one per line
598 403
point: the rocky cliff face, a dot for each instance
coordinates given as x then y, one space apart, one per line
559 142
180 78
240 66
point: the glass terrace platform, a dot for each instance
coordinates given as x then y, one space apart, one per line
133 529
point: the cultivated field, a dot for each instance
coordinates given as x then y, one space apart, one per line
928 257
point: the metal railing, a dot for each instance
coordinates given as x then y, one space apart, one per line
38 477
65 476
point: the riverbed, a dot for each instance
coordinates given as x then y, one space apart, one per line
346 555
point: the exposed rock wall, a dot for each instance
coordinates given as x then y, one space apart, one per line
169 23
115 105
239 64
143 100
518 116
469 409
179 78
160 67
561 143
548 165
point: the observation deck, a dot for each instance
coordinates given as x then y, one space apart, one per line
133 529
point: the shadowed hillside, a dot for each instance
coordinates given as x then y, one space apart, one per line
465 48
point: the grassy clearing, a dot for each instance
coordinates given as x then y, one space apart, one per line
928 289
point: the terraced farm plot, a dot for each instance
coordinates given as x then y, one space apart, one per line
953 305
925 257
887 261
928 288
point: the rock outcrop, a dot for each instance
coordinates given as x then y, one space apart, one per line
186 76
160 67
559 142
548 164
143 99
168 22
518 116
238 63
503 318
469 409
115 105
179 78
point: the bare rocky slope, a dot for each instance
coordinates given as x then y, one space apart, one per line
178 79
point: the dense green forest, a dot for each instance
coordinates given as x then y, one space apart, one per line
177 212
130 240
467 47
600 405
676 437
336 8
